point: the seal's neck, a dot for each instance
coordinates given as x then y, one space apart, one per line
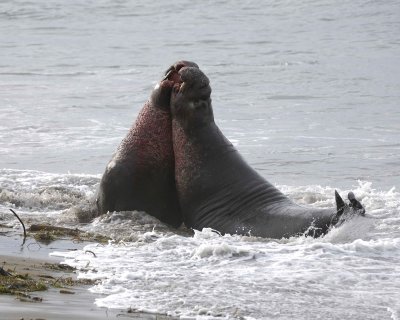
197 145
200 136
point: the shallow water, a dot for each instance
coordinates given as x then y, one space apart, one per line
307 91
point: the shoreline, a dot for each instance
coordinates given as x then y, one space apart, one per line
69 299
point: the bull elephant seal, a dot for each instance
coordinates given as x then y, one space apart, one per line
140 175
217 188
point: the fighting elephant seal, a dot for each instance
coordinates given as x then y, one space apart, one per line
140 175
218 189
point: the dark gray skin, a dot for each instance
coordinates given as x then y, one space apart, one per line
217 188
140 175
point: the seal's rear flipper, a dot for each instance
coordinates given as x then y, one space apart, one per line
340 208
345 211
340 205
356 205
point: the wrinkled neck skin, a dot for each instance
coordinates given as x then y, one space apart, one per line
149 140
193 148
194 154
198 130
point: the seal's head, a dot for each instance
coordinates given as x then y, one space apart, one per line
191 98
160 97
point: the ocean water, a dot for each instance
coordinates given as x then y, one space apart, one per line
309 93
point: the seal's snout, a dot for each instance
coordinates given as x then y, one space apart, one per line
194 80
191 95
162 91
194 76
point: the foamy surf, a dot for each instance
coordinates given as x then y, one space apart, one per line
234 276
352 271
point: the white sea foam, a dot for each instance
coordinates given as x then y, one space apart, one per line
231 276
46 196
352 271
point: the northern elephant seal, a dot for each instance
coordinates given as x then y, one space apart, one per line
215 185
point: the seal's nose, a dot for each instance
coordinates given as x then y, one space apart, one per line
194 76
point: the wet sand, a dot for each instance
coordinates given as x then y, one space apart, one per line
70 302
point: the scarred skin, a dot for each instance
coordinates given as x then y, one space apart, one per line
215 185
140 175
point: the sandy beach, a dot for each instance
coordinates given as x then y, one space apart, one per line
65 297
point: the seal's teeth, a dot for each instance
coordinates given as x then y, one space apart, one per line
157 86
182 86
168 74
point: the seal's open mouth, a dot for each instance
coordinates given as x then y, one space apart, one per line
175 77
173 74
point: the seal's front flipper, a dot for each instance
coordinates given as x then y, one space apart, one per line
356 205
